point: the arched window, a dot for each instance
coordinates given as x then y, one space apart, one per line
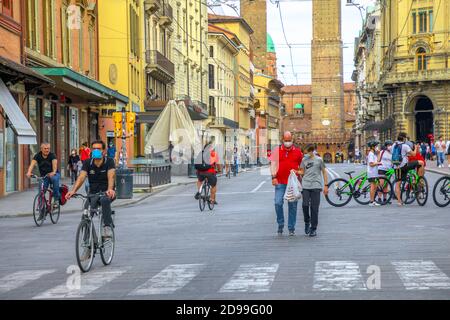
421 59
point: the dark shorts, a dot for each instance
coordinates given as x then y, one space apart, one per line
382 172
372 180
400 173
212 179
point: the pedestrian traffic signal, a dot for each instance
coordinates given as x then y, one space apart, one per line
117 117
131 119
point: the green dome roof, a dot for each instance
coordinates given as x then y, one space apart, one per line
270 44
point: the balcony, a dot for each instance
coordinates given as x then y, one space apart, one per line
151 6
166 16
224 123
417 76
159 67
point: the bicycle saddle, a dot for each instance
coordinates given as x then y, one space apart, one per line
349 173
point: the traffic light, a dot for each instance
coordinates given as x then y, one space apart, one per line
117 117
131 119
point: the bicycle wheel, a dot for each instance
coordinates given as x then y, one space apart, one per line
38 208
441 192
362 193
384 192
422 191
85 245
210 205
339 192
107 249
202 198
54 213
408 193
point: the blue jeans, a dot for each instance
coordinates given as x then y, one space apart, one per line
55 185
292 208
440 158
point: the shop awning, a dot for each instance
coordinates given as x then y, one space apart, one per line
83 87
379 125
298 106
13 72
15 117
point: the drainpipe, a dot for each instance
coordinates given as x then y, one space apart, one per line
187 48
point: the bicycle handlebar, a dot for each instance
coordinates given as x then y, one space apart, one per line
79 195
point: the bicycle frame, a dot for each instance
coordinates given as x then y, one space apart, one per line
42 199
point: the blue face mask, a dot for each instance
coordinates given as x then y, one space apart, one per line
96 154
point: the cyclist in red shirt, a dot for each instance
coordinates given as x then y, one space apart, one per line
85 152
418 161
213 160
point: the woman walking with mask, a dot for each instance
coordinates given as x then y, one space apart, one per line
72 165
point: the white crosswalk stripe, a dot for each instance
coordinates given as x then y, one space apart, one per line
252 278
88 283
338 276
421 275
169 280
20 279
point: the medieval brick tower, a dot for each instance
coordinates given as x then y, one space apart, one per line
255 13
328 117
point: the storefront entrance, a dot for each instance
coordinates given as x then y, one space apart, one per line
424 118
11 168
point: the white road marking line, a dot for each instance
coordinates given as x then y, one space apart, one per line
338 276
421 275
335 173
21 278
331 174
251 278
169 280
218 193
258 187
89 283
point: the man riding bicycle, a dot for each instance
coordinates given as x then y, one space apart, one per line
207 169
101 173
48 169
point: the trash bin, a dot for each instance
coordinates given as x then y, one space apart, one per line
124 183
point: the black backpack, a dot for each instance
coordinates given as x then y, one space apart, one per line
203 165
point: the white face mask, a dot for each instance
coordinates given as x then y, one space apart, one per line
389 148
287 144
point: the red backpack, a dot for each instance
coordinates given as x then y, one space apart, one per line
63 189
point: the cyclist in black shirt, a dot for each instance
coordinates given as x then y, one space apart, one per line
48 169
101 173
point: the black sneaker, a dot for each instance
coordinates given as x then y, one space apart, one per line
307 228
280 230
312 233
197 196
291 233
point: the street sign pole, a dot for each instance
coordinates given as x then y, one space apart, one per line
124 143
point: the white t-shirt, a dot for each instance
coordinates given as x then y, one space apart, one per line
386 160
405 150
440 145
372 172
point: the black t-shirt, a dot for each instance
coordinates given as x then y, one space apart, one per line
44 164
98 176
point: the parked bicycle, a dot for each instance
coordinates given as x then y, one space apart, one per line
413 188
44 205
441 192
341 191
88 241
205 195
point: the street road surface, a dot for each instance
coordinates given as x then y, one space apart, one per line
167 249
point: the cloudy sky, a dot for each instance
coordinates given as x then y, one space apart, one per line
297 20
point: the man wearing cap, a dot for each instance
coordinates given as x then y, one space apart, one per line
285 159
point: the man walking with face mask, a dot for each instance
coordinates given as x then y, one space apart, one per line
285 159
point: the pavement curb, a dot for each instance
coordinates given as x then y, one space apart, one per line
154 191
438 172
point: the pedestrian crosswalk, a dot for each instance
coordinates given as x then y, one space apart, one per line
327 276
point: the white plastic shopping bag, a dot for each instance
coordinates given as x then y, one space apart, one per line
294 189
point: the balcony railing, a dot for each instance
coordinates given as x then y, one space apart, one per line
151 6
160 66
166 15
225 122
417 76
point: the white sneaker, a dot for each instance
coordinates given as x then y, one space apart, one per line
107 232
374 204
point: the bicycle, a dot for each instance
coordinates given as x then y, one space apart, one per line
413 188
42 204
205 195
87 241
357 188
442 189
385 192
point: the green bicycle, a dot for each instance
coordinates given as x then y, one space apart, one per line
341 191
413 188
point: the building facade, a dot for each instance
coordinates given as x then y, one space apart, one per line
190 56
412 91
298 119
